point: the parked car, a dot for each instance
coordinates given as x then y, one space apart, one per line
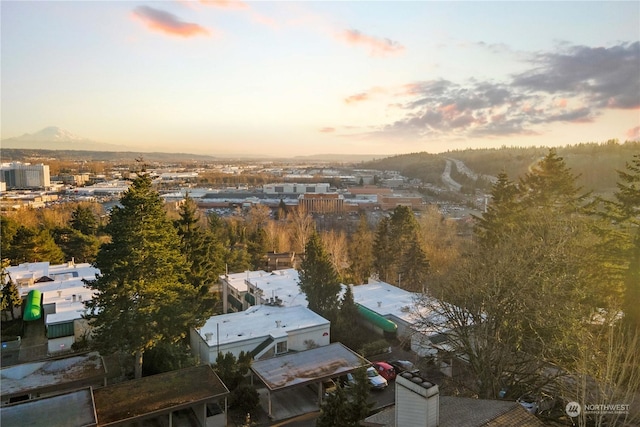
385 370
529 403
401 365
329 387
376 381
537 403
347 380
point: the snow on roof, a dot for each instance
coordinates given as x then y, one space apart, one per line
36 375
67 290
237 280
283 284
386 300
259 321
390 301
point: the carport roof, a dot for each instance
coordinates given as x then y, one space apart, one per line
307 366
157 394
47 412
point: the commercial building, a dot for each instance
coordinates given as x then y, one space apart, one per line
25 176
326 203
293 188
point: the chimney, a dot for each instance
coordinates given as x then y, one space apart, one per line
278 323
417 401
73 297
208 336
379 303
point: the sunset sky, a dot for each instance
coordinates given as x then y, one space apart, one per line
295 77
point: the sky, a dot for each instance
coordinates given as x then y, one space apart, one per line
274 78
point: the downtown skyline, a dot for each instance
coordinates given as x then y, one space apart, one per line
222 77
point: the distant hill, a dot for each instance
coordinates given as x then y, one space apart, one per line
14 154
55 138
594 163
339 158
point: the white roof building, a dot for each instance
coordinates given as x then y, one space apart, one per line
400 307
264 331
63 296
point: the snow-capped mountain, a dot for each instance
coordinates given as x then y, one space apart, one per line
55 138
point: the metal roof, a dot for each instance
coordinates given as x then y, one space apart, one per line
69 409
39 377
158 394
307 366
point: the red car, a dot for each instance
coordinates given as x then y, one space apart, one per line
385 370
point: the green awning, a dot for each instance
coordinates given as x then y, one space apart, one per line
381 322
250 298
33 309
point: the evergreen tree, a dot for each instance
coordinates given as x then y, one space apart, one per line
319 280
550 184
29 245
625 212
382 256
342 329
10 294
501 216
76 245
414 268
9 227
528 284
347 407
257 248
83 220
204 256
142 295
361 252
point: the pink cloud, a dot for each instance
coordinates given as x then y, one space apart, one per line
358 97
226 4
634 133
561 103
365 96
379 47
165 22
327 130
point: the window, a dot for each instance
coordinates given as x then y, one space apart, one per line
281 347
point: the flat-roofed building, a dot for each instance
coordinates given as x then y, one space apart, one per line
263 331
19 175
322 203
296 188
63 296
391 202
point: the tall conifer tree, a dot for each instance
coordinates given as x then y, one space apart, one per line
143 297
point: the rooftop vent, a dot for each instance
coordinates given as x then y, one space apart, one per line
208 336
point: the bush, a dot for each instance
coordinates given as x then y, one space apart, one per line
375 347
245 399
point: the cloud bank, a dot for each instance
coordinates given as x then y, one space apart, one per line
572 86
377 46
167 23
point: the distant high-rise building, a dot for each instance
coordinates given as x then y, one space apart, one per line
19 176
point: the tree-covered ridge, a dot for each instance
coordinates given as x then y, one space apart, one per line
424 166
595 164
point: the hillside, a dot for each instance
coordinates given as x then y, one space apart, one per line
594 163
